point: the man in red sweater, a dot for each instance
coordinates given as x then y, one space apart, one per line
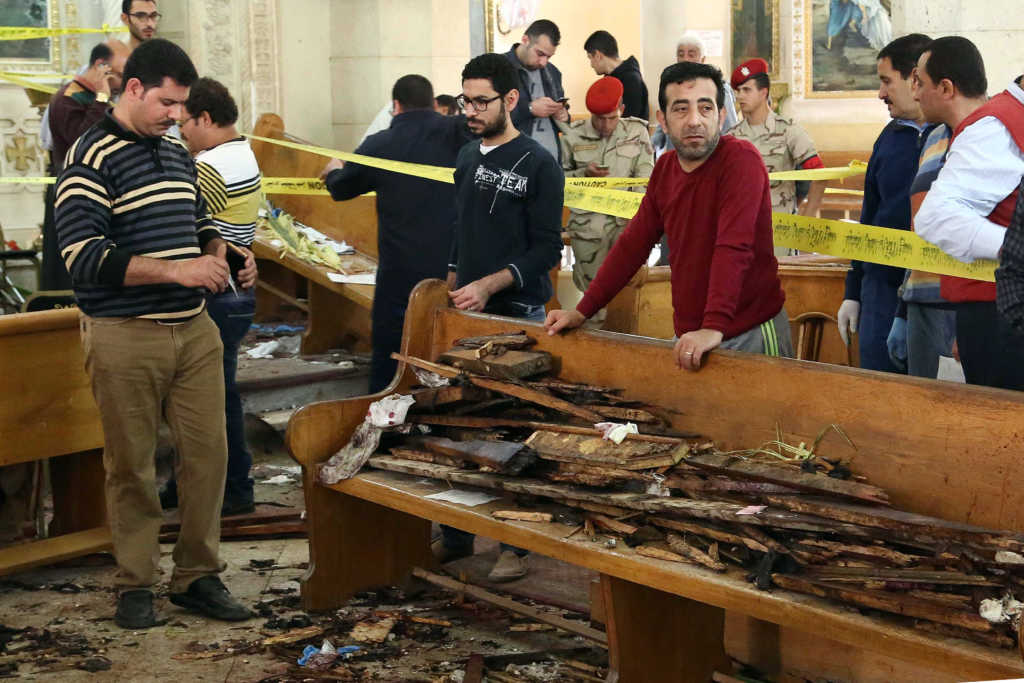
712 201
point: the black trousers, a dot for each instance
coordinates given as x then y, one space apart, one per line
387 320
991 351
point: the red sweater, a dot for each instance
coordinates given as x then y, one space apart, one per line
718 220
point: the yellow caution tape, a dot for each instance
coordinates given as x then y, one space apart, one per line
841 190
26 180
49 76
602 200
25 83
32 32
302 186
888 246
607 182
834 173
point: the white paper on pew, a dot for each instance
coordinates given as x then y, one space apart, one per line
468 498
357 279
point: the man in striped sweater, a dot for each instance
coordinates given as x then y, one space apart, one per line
140 245
231 183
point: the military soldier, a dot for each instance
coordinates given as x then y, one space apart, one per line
607 144
784 145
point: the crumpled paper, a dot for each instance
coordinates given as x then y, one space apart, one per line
1008 609
390 411
613 431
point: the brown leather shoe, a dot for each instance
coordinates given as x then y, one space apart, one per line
509 567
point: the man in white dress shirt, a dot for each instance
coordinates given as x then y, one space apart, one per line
971 201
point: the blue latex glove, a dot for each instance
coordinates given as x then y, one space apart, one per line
896 343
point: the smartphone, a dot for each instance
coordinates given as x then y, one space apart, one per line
563 100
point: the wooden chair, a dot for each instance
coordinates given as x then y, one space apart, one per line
810 328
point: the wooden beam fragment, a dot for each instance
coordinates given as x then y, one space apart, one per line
660 554
859 575
592 450
522 515
609 524
679 545
478 593
507 457
707 530
894 603
492 422
509 365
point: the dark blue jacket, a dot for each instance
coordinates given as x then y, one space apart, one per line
550 77
415 217
890 174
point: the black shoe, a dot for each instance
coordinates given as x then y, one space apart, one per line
168 497
209 596
237 507
135 610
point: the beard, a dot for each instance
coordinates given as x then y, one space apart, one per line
691 153
496 127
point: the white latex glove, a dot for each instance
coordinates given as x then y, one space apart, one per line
848 316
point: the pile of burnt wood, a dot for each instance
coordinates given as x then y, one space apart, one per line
776 515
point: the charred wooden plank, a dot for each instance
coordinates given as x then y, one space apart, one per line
510 365
507 457
900 521
679 545
510 340
659 554
609 524
507 388
719 484
590 450
492 422
787 476
626 414
424 456
708 530
559 385
574 473
858 575
874 551
993 639
428 399
894 603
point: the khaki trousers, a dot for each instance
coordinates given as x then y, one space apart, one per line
138 369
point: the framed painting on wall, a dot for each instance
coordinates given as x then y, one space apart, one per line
35 54
506 20
755 33
842 41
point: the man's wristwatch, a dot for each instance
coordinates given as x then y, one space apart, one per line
102 97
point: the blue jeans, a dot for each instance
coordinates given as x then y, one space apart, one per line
457 539
233 315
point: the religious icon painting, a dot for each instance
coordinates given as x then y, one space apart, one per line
755 33
843 38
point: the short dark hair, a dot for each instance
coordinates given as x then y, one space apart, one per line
957 59
413 92
683 72
212 97
904 52
157 59
100 51
762 80
126 5
603 42
494 67
448 103
544 27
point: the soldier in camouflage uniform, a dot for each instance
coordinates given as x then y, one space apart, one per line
784 145
605 145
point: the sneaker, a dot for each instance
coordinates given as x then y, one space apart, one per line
509 567
445 554
209 596
135 610
168 497
231 508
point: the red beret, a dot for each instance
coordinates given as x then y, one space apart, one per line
604 96
747 70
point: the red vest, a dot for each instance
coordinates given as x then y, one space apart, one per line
1010 112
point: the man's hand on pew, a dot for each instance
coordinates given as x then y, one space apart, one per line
692 346
332 165
559 320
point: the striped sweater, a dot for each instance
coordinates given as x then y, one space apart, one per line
918 285
232 186
122 195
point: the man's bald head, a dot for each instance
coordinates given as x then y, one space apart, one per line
120 53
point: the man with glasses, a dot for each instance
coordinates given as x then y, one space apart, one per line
231 183
415 217
141 18
509 194
541 99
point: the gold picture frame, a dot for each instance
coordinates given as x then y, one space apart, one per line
745 12
843 64
46 60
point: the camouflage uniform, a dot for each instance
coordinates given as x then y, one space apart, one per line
628 154
784 145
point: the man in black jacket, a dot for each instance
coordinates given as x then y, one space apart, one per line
603 52
415 217
541 98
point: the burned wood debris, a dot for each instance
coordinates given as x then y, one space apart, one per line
779 515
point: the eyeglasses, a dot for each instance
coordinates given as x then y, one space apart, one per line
479 104
143 16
